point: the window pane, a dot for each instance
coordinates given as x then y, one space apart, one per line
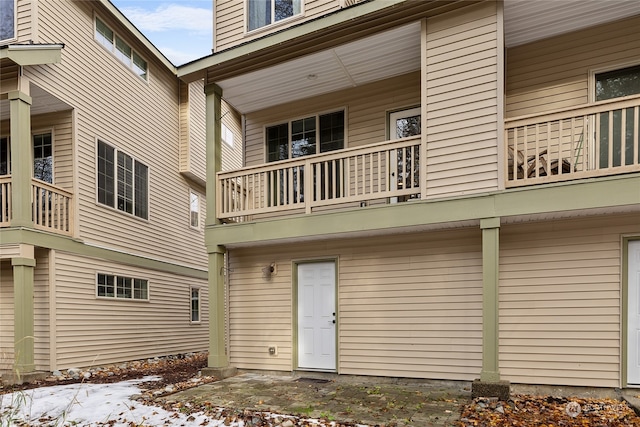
139 66
195 210
125 183
195 305
332 131
5 157
227 135
105 174
142 188
7 19
43 157
618 83
123 51
123 289
303 137
105 285
259 13
278 142
104 35
140 289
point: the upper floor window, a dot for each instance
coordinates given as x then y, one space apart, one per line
266 12
123 182
300 137
43 157
116 45
7 19
227 135
195 209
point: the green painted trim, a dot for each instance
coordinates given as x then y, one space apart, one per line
27 262
217 354
490 314
274 39
33 54
21 158
213 140
576 195
23 317
9 236
490 223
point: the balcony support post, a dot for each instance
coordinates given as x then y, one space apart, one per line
489 384
21 158
214 148
23 313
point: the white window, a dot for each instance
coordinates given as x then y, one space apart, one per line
121 287
404 123
227 135
7 19
195 209
116 45
298 137
122 184
43 157
261 13
195 305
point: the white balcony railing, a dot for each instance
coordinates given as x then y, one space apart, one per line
579 142
52 208
387 171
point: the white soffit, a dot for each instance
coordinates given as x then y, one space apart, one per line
530 20
391 53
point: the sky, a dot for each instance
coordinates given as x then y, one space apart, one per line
181 29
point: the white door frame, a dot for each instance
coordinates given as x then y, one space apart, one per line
295 321
631 301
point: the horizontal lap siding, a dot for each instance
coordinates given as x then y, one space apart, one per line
26 28
6 315
560 301
232 155
197 130
139 118
409 305
366 112
554 73
92 331
230 21
462 102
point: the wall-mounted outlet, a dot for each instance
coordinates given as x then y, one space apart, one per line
273 350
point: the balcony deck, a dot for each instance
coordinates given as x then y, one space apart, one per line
574 143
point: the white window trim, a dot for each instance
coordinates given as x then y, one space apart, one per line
114 208
198 227
113 53
273 25
15 24
191 289
304 116
115 288
605 69
393 115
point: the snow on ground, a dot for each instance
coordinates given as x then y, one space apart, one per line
91 405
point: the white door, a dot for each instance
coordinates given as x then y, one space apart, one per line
317 316
633 318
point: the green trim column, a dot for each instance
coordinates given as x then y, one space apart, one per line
490 317
21 158
23 314
214 147
217 354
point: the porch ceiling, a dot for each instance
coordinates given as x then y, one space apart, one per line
397 51
43 102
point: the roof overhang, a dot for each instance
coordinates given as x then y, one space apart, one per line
32 54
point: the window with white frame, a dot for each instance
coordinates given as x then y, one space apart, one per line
227 135
122 287
306 136
195 305
194 209
43 157
116 45
261 13
7 19
123 182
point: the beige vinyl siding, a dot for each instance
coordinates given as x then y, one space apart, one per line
232 155
91 330
8 76
26 12
61 126
554 73
9 251
123 110
184 127
230 21
560 301
366 112
197 129
408 305
6 315
41 296
462 101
